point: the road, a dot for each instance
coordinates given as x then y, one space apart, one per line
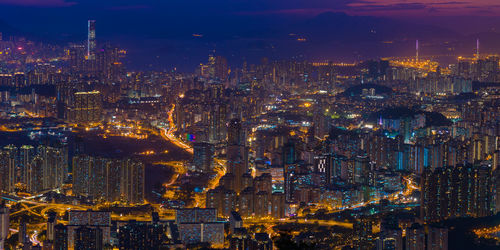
219 164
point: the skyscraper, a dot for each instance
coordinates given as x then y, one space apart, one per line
54 165
27 153
91 43
132 181
237 155
9 167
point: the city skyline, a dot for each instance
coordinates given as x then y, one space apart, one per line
249 125
178 33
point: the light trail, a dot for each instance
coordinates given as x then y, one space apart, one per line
34 238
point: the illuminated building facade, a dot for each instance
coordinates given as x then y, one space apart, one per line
109 180
4 225
89 219
87 107
199 225
141 235
203 156
91 40
458 191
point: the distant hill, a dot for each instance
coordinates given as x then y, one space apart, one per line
7 30
339 26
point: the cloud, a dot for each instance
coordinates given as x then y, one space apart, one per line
38 3
391 7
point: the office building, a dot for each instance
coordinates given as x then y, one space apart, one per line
91 40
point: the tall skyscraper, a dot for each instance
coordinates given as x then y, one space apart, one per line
54 166
35 180
132 181
91 43
89 176
9 166
237 156
27 153
221 69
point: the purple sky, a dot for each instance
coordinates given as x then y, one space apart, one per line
296 7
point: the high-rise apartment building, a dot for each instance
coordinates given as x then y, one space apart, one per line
87 107
88 238
90 219
4 225
203 156
108 179
458 191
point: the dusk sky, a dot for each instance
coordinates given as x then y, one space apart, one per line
365 7
34 14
